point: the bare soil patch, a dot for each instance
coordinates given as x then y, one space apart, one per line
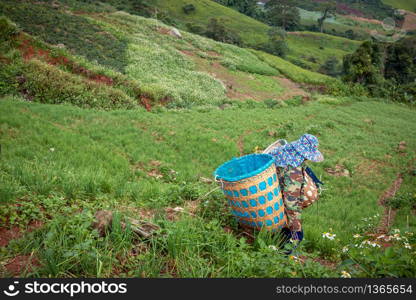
409 21
146 102
389 214
338 170
30 51
292 89
15 232
22 264
370 167
362 19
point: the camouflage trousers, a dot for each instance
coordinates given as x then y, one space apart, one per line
291 180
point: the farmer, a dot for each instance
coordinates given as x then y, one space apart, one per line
290 160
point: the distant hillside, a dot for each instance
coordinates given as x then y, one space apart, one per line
375 9
409 5
254 33
116 60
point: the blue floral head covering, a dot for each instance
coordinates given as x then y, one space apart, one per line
296 152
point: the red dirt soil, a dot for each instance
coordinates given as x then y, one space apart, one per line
409 21
15 232
29 51
362 19
21 264
146 102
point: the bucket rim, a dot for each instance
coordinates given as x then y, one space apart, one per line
247 175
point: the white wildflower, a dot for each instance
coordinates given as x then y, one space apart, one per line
178 209
274 248
375 245
345 274
345 249
329 236
356 236
407 246
51 149
397 237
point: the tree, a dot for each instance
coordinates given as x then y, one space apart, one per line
277 42
364 66
247 7
330 67
328 10
188 8
350 34
400 61
217 31
283 13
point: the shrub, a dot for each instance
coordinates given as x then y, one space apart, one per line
7 29
188 8
339 88
271 103
403 200
330 67
216 30
195 28
277 42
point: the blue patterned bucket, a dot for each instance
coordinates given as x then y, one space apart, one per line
252 188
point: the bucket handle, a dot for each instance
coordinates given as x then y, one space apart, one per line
219 181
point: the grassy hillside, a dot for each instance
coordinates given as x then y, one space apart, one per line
61 160
339 24
409 5
313 48
188 71
291 71
253 33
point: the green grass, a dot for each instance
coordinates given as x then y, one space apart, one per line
405 219
174 77
57 26
58 160
253 33
292 71
340 24
409 5
60 163
160 77
313 48
143 75
80 34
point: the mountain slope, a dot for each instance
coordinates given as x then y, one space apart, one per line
409 5
254 33
190 70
